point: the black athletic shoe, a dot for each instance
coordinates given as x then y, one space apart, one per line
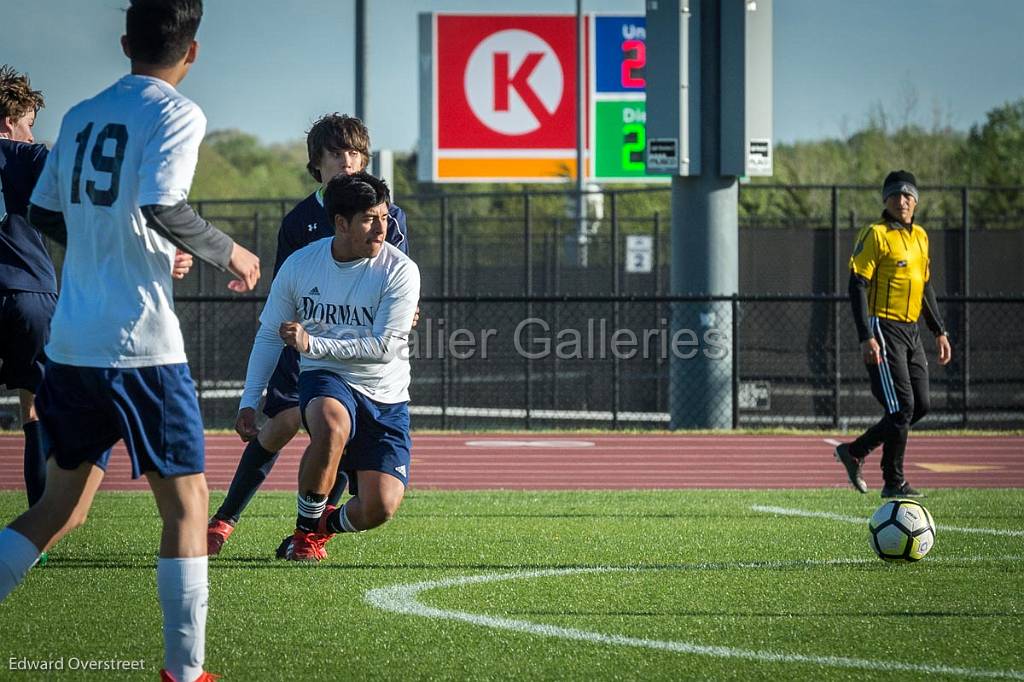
903 490
282 550
852 465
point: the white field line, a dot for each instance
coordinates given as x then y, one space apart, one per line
404 599
531 443
783 511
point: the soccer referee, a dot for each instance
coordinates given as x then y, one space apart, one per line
889 289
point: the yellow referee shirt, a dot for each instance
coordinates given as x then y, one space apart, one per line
894 259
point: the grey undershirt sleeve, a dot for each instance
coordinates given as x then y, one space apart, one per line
187 230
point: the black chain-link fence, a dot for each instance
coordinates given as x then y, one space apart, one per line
530 319
633 362
793 239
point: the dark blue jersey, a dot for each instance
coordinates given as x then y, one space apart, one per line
25 264
308 222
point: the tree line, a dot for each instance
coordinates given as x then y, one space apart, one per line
236 165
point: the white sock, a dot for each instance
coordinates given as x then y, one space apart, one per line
346 525
17 555
184 592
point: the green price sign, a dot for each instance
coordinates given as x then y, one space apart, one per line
620 139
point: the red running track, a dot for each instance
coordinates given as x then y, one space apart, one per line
566 462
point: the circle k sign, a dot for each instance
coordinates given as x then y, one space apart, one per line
513 82
506 82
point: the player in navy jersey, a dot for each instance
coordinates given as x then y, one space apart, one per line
28 285
336 144
346 305
115 188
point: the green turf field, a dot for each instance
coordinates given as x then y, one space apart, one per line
570 585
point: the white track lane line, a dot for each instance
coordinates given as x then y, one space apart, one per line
783 511
404 599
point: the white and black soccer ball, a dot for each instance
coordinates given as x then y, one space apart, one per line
902 530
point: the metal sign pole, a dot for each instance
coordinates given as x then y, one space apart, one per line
361 52
709 122
582 235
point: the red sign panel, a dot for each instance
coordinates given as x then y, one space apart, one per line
506 82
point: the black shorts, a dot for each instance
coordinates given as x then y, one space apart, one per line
25 320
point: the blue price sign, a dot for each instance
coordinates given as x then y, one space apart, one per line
621 54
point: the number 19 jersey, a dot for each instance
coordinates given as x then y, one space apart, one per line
132 145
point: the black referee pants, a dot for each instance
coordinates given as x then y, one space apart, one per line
900 384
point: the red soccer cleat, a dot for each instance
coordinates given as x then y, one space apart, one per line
217 533
303 546
204 677
306 547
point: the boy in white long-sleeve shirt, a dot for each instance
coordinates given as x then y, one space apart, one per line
346 304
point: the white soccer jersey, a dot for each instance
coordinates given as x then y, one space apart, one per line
134 144
358 315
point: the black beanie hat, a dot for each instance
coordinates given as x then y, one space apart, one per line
900 182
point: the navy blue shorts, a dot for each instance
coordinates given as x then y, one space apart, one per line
154 409
25 318
379 440
283 389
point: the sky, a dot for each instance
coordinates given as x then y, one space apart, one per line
271 67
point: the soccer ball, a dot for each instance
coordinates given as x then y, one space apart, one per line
901 530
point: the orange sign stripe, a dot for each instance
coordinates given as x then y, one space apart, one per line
506 168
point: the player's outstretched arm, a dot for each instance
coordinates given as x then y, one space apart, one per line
184 228
245 265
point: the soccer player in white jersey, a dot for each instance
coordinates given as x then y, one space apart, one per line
346 304
336 144
114 187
